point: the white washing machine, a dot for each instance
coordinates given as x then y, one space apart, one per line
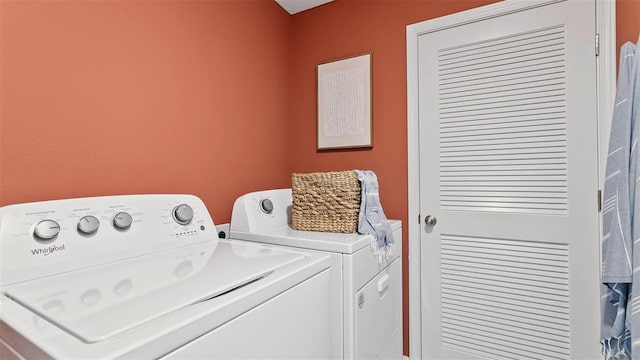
145 277
366 296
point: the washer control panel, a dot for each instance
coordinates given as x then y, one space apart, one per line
45 238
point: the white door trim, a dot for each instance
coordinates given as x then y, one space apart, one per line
606 80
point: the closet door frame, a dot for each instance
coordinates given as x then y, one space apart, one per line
606 85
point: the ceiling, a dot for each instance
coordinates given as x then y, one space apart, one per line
296 6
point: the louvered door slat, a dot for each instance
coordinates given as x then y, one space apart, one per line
493 273
526 40
503 100
505 164
523 107
506 63
532 78
508 282
491 170
504 258
490 185
517 89
479 275
503 155
506 177
496 74
510 293
517 331
509 139
556 145
515 129
500 118
507 346
497 54
550 327
488 125
547 313
547 202
493 125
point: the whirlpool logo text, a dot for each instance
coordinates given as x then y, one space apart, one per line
47 250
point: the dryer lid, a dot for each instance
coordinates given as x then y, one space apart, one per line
97 303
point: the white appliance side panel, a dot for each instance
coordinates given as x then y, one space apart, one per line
339 270
359 269
337 311
378 312
363 265
293 325
393 348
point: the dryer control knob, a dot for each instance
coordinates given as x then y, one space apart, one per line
182 214
266 205
46 230
122 220
88 224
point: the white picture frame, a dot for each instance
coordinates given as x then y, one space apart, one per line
344 103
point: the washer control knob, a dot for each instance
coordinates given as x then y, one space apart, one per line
88 224
46 230
183 214
122 220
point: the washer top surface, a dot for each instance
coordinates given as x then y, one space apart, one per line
98 303
315 240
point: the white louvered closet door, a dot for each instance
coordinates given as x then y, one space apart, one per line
508 167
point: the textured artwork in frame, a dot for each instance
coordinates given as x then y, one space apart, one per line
344 103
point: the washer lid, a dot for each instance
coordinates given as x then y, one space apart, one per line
316 240
97 303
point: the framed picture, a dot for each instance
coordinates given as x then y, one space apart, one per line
344 103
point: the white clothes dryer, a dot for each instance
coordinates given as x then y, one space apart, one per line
366 296
146 277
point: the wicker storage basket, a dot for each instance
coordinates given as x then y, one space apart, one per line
327 201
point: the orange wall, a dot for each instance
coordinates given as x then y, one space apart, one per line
345 28
627 21
120 97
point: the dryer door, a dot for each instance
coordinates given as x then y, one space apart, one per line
379 315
